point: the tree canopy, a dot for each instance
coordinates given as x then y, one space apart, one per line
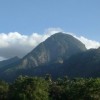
39 88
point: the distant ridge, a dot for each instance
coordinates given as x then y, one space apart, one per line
9 61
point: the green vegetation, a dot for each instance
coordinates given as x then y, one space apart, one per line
37 88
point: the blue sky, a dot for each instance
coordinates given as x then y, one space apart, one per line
81 17
26 23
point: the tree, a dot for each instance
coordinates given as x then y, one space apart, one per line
29 88
3 90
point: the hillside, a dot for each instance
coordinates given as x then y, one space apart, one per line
86 64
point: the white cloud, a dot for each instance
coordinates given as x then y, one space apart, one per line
16 44
89 43
51 31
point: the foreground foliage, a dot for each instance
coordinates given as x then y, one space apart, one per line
37 88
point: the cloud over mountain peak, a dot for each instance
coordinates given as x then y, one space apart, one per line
17 44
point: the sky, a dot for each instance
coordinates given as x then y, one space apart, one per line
25 23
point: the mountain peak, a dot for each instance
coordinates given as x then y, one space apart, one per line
60 35
57 47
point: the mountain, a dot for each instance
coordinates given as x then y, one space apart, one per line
44 58
56 48
86 64
59 55
8 61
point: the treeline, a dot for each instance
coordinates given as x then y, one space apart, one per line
38 88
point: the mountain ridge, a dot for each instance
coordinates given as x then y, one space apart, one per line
59 55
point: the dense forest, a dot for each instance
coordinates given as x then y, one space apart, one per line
44 88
